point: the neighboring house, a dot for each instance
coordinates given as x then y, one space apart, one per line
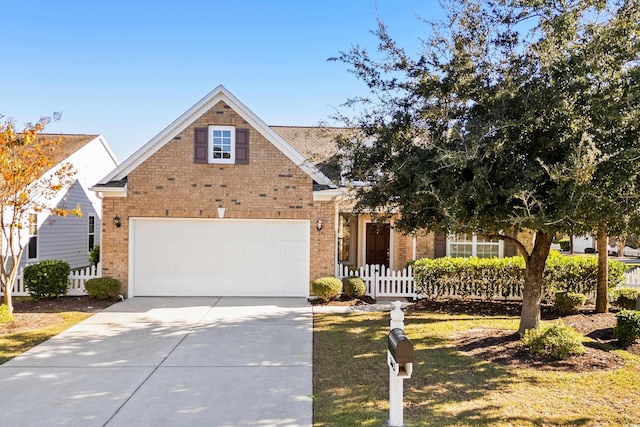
218 203
362 240
71 238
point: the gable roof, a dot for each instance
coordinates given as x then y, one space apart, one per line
70 144
316 143
218 94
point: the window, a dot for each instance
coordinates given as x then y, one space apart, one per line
92 232
467 245
222 144
32 249
344 237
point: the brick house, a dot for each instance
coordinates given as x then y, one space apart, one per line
218 203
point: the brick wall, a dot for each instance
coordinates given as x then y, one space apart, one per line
403 250
425 245
169 184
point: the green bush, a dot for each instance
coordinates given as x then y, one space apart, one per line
557 341
627 328
565 244
354 287
625 297
103 287
569 302
493 278
49 278
327 288
5 315
94 255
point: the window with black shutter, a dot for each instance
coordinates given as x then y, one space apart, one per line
221 144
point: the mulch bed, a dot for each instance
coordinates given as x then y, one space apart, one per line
31 314
503 347
58 304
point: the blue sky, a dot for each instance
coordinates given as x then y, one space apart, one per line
127 69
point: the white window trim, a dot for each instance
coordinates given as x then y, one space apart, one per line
232 130
37 257
474 246
89 232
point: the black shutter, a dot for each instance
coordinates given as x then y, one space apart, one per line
242 146
200 146
440 246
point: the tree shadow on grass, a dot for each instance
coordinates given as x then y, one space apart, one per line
351 379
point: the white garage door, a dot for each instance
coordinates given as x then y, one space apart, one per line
219 257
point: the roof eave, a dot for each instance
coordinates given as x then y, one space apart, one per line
105 191
332 194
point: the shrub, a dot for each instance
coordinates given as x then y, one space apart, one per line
493 278
569 302
354 287
627 328
94 255
48 278
327 288
103 287
625 297
565 244
589 251
557 341
5 315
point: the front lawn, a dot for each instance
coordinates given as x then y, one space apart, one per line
37 321
452 388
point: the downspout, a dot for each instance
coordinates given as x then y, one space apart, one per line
414 255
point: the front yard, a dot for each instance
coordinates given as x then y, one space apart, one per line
451 387
467 372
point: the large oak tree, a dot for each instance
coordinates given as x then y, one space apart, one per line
503 122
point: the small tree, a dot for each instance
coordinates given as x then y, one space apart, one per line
29 183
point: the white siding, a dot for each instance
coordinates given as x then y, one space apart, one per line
67 238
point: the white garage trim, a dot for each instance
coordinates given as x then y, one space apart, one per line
218 257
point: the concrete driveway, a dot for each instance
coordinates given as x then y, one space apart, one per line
169 362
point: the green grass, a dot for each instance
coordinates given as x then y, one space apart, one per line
12 345
450 389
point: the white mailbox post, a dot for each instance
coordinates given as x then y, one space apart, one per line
400 360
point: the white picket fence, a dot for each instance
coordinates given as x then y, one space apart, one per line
77 278
382 281
632 278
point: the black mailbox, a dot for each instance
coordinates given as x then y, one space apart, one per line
400 346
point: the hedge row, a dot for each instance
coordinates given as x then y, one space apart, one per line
491 278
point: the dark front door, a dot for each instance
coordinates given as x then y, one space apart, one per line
378 244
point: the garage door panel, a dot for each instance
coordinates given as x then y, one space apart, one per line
219 257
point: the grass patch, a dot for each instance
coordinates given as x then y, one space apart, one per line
451 389
12 345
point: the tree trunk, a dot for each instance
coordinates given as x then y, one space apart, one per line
621 242
7 300
532 292
602 297
571 249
